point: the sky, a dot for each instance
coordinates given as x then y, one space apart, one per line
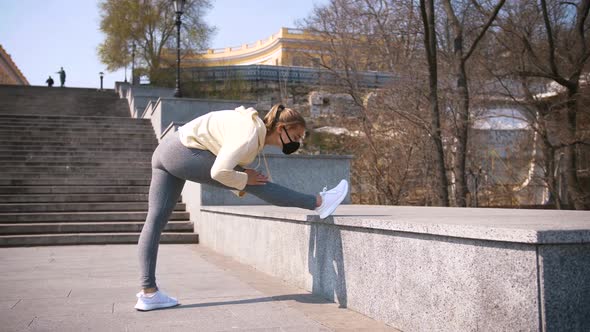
42 36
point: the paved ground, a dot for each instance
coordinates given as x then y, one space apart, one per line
92 288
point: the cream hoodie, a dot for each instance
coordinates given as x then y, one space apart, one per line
234 136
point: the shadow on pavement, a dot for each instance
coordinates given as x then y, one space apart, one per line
303 298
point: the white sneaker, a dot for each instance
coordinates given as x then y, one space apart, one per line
332 198
157 301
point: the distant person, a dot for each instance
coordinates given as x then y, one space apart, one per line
49 82
213 149
62 76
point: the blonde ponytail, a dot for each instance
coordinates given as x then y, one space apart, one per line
286 116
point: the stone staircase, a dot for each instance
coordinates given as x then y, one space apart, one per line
69 177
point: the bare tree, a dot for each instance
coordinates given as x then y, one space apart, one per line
430 45
384 35
461 53
547 41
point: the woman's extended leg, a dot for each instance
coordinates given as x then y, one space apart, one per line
195 165
278 195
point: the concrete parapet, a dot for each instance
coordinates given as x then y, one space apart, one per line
159 105
139 97
121 89
148 91
422 269
181 110
304 173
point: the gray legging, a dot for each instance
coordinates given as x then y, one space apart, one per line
172 165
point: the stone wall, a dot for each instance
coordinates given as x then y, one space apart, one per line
325 103
422 269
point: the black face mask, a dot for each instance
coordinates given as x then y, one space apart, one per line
289 147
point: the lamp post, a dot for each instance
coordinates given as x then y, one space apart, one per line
101 76
133 64
178 9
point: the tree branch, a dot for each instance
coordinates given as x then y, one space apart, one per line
534 58
557 79
550 40
580 20
485 29
415 120
427 36
576 142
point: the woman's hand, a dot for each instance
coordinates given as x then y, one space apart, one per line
255 178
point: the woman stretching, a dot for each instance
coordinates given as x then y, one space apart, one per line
212 149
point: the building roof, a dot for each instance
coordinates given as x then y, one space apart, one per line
279 49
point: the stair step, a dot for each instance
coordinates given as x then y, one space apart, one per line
60 155
38 118
142 145
16 124
80 140
75 182
83 238
73 160
45 217
63 103
75 172
79 190
73 131
77 163
70 198
73 164
17 127
125 175
78 207
83 105
90 227
71 118
40 124
99 109
83 120
15 147
83 170
77 123
29 135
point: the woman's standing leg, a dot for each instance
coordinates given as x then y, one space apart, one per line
165 190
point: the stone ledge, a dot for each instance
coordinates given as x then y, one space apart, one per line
503 225
421 268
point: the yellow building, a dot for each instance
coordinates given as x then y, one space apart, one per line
288 47
291 56
9 72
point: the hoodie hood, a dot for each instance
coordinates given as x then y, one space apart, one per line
252 114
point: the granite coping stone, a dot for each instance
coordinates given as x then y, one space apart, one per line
503 225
